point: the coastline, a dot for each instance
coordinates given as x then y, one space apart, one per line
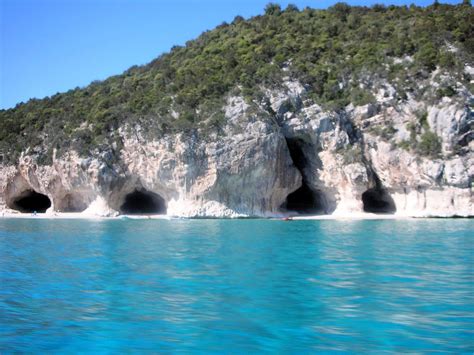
348 216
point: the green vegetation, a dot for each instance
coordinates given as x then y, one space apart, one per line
423 119
405 145
422 139
330 51
430 145
386 133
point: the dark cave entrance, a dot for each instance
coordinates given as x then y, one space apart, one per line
31 201
295 146
143 202
305 200
377 200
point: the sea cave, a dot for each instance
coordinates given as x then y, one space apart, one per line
377 200
31 201
306 201
143 202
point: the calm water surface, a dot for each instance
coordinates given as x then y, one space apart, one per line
236 286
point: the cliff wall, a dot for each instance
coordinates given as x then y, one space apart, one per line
281 155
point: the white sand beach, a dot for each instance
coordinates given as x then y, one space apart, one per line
85 215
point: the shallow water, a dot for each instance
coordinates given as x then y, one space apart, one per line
236 285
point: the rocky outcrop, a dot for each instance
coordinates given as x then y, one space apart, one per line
284 155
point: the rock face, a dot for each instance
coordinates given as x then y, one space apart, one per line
279 156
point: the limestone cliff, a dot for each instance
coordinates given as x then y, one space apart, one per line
275 157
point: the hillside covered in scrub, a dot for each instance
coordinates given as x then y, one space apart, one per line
343 111
340 55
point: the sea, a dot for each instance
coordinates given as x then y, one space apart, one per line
236 286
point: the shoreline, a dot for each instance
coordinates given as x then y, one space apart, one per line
348 216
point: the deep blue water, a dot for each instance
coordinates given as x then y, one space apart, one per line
236 286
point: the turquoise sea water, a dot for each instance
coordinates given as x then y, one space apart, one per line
236 286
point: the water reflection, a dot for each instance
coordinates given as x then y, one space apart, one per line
236 286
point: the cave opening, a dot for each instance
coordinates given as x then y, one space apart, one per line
31 201
377 200
295 146
306 201
143 202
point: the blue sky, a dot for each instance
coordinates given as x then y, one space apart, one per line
50 46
